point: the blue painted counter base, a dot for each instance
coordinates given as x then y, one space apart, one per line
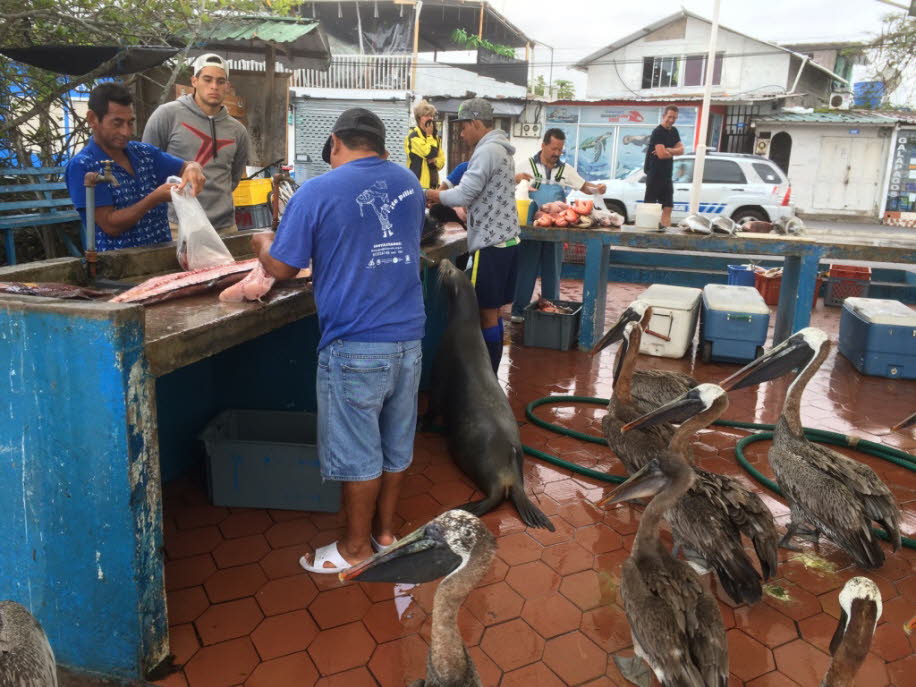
79 483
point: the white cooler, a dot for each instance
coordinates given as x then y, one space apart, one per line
674 316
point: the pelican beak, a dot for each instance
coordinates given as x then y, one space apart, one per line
792 353
904 423
615 333
645 482
421 556
621 354
680 409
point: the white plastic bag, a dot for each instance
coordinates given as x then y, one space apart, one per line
598 201
199 246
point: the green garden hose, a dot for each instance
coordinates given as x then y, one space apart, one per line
896 456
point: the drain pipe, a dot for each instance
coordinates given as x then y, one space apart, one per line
90 181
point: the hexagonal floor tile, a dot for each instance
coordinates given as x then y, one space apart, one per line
235 583
186 605
339 606
284 634
748 658
295 670
222 665
342 648
588 589
567 557
241 550
245 522
400 661
518 548
765 624
535 675
188 572
228 621
608 627
290 532
286 594
387 621
358 677
551 615
575 658
512 645
183 643
494 603
533 579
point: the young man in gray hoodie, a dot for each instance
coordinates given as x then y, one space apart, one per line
198 127
487 190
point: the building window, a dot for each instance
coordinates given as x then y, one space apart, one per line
661 72
695 70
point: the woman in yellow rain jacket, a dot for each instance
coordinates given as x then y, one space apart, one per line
423 147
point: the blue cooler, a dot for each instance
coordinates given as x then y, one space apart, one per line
734 323
879 337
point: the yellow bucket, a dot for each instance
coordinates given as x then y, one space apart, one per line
522 205
251 192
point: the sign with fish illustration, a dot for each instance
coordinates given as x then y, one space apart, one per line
620 115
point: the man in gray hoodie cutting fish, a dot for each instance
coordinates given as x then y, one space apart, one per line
199 127
487 190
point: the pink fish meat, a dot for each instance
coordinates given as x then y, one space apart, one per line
253 287
181 284
51 290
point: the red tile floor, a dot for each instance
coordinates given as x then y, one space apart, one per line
242 612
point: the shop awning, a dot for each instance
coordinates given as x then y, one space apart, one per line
76 60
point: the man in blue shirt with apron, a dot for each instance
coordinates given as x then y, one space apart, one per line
550 180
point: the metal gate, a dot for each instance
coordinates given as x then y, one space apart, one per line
314 117
739 136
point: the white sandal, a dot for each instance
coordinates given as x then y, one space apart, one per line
325 554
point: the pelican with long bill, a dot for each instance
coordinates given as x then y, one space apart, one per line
795 352
458 546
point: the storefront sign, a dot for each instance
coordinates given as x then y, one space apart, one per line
901 192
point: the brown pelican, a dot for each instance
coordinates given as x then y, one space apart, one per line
860 608
839 496
709 519
636 448
26 658
455 544
654 386
674 620
905 422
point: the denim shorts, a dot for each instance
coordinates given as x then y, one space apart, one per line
367 408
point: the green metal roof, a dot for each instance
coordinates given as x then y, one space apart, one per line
829 117
263 27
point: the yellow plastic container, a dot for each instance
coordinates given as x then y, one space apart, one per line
523 205
251 192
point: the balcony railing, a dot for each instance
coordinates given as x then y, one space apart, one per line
363 72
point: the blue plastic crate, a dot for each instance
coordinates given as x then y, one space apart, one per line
734 323
879 337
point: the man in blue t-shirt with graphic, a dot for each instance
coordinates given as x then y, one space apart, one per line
359 226
133 213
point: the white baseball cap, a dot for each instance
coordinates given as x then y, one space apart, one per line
210 59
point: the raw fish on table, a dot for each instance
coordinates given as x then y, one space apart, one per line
51 289
181 284
253 287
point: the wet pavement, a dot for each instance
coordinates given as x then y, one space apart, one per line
548 613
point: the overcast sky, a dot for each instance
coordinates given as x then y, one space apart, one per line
576 28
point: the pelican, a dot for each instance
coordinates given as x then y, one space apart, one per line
709 519
26 658
674 620
905 422
455 544
839 496
860 608
654 386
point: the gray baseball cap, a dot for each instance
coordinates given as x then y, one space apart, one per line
475 108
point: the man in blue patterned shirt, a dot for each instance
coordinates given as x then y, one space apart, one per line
134 212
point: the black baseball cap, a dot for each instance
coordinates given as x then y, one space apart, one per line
355 120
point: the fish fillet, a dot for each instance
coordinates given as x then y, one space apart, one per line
181 284
253 287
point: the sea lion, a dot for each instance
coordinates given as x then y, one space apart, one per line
483 437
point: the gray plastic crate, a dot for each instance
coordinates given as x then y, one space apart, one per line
550 329
266 459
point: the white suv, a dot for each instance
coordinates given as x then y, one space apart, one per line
743 187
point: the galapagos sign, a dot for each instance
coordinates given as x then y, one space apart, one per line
900 208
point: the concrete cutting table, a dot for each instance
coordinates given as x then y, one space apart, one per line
99 404
801 254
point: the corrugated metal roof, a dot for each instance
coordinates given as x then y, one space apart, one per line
265 28
831 117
